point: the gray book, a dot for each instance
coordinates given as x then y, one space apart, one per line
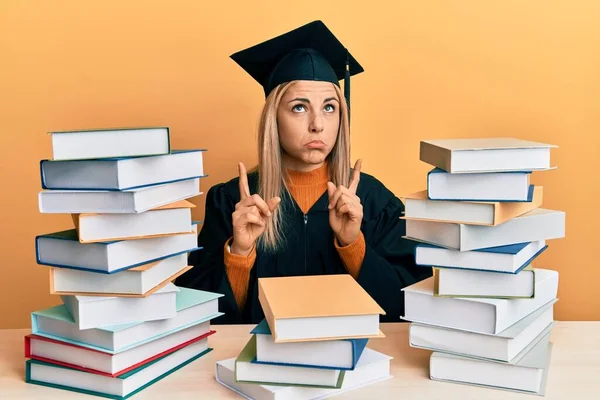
505 346
528 373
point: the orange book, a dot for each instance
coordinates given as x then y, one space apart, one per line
319 307
419 207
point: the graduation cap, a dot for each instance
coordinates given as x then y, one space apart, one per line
310 52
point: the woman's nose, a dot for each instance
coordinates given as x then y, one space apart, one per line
316 124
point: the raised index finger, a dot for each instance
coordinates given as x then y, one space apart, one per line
244 188
355 177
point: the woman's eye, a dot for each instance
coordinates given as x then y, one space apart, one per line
298 108
329 108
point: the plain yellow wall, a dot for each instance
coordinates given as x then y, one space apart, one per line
434 69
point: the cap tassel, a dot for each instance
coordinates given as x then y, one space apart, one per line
347 83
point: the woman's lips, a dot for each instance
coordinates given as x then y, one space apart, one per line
315 144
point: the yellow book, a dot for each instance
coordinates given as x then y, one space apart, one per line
318 307
487 213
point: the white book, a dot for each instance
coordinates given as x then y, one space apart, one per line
122 173
538 224
467 283
372 367
193 307
481 315
114 364
140 281
95 311
171 219
63 249
527 375
102 143
504 346
486 155
125 201
507 259
493 186
46 374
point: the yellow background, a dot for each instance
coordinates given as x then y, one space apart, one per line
434 69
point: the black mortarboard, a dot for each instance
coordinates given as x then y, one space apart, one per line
310 52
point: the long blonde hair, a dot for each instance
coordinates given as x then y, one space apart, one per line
271 173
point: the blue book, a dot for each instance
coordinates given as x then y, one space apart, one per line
122 173
193 306
509 259
63 249
120 387
341 354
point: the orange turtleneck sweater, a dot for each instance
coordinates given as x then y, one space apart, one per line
305 188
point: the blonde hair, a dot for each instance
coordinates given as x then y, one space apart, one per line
271 173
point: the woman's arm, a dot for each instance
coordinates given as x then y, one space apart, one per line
352 255
388 264
238 269
209 272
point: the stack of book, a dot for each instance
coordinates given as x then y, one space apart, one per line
312 342
123 324
487 312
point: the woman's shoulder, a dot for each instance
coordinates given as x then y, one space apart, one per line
375 196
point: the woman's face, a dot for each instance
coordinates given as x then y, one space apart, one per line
308 120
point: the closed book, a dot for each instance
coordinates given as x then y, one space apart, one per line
269 374
486 155
538 224
527 375
481 315
504 346
194 307
98 311
333 354
63 249
467 283
122 173
418 207
171 219
117 142
77 357
491 186
120 387
116 202
508 259
320 307
140 281
372 367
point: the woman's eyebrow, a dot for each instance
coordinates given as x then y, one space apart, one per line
305 100
302 99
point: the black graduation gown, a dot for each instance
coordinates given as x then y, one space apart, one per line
388 265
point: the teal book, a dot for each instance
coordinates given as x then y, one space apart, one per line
193 307
121 387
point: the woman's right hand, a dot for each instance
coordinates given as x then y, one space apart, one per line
250 216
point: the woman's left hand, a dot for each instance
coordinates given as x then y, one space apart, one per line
345 210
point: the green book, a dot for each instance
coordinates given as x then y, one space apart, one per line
121 387
248 371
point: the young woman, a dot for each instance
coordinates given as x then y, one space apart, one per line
302 211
